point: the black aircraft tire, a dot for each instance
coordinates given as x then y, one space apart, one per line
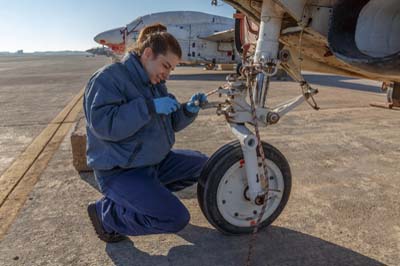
213 173
204 174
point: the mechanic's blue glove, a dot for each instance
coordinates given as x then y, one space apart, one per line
195 102
166 105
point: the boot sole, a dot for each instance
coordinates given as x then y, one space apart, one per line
98 227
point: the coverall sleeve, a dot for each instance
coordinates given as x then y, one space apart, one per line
110 116
181 118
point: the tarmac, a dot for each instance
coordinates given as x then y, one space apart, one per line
344 207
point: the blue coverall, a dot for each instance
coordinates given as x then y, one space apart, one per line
129 146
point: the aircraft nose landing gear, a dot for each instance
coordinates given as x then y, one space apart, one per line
244 185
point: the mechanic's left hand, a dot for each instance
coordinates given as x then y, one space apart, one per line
196 101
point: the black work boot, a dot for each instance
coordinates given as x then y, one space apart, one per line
98 227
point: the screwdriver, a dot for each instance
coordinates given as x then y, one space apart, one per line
203 104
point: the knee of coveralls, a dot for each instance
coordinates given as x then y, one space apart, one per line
181 168
117 218
136 203
181 219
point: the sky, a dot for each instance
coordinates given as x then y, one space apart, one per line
55 25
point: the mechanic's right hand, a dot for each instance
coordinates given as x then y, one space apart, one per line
166 105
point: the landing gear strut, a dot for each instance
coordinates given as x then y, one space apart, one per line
393 96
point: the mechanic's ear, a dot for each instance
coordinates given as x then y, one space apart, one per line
147 53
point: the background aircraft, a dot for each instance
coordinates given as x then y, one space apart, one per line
204 38
100 51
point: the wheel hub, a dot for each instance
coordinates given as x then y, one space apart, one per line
234 203
259 199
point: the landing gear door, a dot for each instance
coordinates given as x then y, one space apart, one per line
246 32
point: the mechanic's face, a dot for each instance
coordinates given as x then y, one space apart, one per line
158 67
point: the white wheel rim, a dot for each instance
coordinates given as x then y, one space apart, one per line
233 205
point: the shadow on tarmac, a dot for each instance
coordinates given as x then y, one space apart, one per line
89 178
340 82
274 246
280 246
212 76
322 80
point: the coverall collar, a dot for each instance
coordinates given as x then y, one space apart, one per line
132 62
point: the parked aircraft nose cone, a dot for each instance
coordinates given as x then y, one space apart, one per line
110 36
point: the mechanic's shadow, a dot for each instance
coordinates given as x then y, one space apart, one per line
274 246
89 178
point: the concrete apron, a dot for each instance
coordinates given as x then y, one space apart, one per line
18 180
343 209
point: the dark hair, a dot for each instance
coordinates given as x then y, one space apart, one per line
158 39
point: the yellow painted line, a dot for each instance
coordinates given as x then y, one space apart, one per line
19 179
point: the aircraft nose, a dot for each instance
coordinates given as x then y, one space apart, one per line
100 38
110 36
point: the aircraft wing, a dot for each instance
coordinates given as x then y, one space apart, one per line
221 36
